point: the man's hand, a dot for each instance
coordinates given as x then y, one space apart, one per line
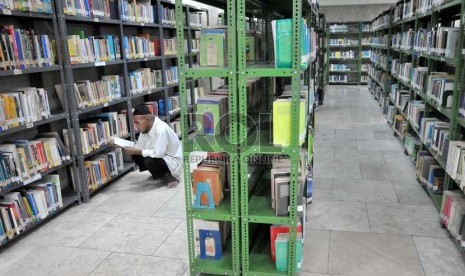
132 151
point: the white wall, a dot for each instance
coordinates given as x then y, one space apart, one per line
345 13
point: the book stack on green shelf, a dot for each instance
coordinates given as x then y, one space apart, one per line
429 172
213 47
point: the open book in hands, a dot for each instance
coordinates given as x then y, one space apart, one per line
122 142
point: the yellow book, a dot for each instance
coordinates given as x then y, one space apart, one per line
72 51
48 154
12 113
282 122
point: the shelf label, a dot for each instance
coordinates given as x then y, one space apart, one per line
105 104
6 11
17 71
29 125
145 59
142 24
150 92
96 20
101 63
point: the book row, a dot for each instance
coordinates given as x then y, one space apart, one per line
440 41
23 105
144 79
343 42
91 8
380 58
399 97
171 75
23 161
20 209
338 78
378 40
91 93
411 8
21 49
381 22
340 67
102 168
455 162
40 6
98 130
94 48
138 12
343 54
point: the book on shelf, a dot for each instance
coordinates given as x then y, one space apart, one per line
210 238
91 93
91 49
169 46
282 245
22 49
213 47
40 6
211 114
23 161
275 230
435 135
338 78
144 80
343 54
29 205
214 175
253 46
197 93
141 11
176 127
430 172
102 168
338 28
415 112
453 215
23 105
91 8
196 19
282 38
282 121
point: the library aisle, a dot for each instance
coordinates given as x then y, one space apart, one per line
369 215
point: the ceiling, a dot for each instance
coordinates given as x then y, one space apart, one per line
354 2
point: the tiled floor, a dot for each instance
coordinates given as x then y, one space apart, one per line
369 216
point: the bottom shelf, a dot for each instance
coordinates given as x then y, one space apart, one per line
127 167
67 201
260 262
223 266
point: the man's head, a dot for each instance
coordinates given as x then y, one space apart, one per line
143 118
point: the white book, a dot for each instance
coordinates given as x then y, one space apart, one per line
123 142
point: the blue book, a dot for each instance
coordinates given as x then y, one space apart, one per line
155 14
45 54
126 47
2 232
32 203
19 45
211 247
111 47
87 8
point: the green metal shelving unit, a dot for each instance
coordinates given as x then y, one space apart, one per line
245 207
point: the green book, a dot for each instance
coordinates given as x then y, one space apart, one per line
212 115
213 50
281 246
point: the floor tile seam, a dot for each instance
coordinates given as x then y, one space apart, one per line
379 233
100 228
395 190
329 252
167 236
159 208
418 253
100 263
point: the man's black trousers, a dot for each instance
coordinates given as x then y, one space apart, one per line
156 166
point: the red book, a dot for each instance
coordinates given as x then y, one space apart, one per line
11 32
274 231
156 43
42 155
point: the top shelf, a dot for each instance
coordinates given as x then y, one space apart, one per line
36 15
444 8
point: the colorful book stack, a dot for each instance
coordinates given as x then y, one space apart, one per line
93 48
90 93
23 161
279 236
97 131
415 113
342 54
144 79
209 180
455 162
21 49
140 46
434 134
212 115
91 8
23 105
104 167
40 6
138 12
453 215
338 78
196 19
20 209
